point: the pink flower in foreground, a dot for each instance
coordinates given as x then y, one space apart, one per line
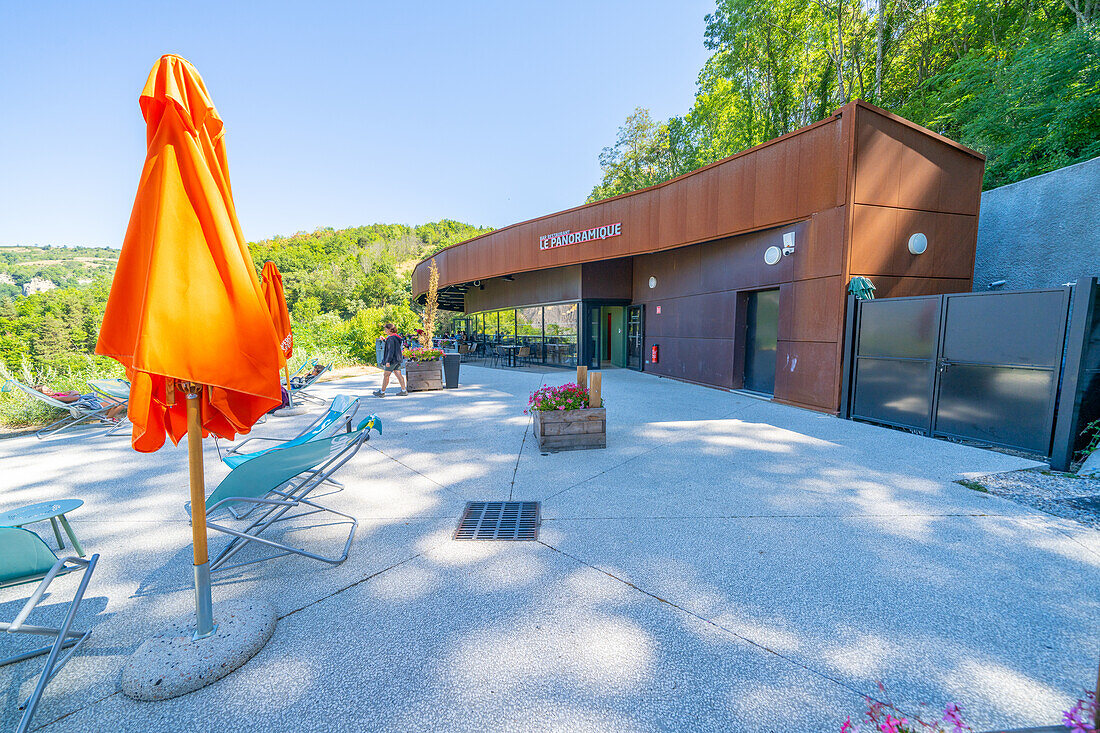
953 714
892 724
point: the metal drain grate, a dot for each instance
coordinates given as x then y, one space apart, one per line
499 520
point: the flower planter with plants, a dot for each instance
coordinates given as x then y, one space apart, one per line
564 421
423 369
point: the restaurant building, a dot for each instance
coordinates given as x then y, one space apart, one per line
734 275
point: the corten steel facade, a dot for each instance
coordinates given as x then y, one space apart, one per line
852 189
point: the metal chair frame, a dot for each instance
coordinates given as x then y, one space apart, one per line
78 412
66 640
317 460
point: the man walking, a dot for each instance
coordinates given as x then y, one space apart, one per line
392 360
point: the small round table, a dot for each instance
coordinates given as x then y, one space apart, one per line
51 510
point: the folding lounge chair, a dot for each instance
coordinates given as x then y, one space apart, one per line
308 381
273 482
113 389
25 558
338 417
81 411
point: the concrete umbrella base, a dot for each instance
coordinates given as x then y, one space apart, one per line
172 664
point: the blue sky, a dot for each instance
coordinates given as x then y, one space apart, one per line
338 113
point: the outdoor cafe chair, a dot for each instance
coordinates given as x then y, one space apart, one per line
79 412
277 474
25 558
523 355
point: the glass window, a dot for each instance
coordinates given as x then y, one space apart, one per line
529 333
529 322
561 334
507 326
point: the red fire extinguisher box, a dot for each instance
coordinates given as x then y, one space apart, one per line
653 356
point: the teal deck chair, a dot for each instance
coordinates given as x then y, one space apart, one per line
338 416
291 474
26 558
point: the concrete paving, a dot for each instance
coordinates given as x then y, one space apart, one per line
725 564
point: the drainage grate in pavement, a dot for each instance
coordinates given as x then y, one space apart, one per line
499 520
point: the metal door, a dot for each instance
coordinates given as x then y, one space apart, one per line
761 341
999 363
895 361
591 343
635 336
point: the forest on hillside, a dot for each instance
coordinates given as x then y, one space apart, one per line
1018 80
341 286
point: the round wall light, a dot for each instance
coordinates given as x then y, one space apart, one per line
918 243
772 255
652 282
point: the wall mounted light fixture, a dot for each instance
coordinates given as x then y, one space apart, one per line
652 282
772 255
918 243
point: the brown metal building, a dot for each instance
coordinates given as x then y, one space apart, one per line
736 273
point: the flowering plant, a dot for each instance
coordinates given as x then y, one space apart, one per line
1082 716
422 354
883 717
563 397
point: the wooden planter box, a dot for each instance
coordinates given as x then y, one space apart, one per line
571 429
424 375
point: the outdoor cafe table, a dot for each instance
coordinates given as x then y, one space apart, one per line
51 510
511 350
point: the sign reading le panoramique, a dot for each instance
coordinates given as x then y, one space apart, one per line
566 238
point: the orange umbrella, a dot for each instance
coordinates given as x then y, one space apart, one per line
185 315
272 284
186 304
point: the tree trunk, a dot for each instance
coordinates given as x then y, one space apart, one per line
878 51
840 50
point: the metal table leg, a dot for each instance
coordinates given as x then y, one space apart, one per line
72 536
57 533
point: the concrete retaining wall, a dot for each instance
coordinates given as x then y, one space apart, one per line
1042 231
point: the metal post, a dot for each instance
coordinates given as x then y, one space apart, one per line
847 363
1069 398
203 604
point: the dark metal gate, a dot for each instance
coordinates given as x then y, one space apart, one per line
976 366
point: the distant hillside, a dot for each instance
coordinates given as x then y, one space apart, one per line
347 270
341 284
63 266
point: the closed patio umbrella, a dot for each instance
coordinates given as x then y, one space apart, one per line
271 282
186 316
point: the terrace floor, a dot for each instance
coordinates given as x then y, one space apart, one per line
725 564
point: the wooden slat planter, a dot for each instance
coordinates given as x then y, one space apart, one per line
424 375
571 429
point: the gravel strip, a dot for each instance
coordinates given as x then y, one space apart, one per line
1061 494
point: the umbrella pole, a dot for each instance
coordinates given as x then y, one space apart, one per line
289 394
203 604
